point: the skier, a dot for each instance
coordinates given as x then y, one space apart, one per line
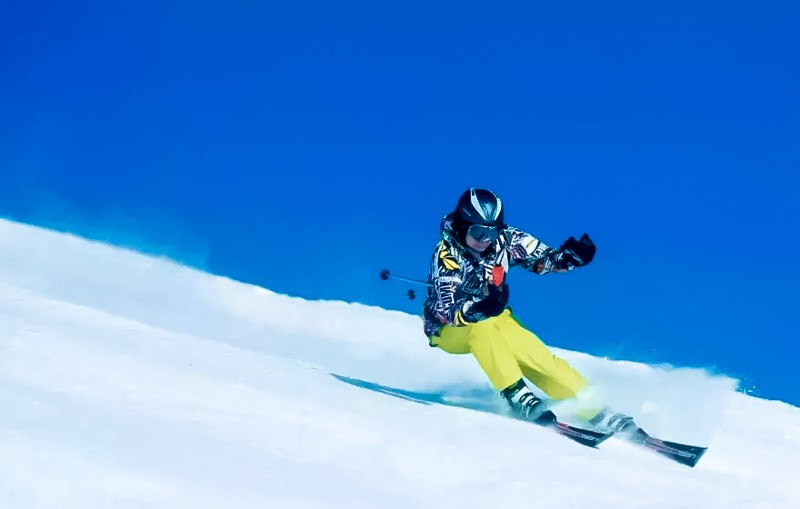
466 307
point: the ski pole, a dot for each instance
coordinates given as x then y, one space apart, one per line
385 274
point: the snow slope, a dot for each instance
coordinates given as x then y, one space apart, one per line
130 381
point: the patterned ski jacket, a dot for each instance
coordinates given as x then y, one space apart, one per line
460 277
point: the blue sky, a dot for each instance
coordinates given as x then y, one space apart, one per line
303 146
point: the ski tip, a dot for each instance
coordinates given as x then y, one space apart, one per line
684 454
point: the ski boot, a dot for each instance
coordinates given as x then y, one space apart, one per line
527 406
609 421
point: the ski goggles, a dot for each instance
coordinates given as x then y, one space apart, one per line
483 233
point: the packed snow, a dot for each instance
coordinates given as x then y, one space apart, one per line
129 381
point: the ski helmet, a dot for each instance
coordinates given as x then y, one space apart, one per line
479 212
480 206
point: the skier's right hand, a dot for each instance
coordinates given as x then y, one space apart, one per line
494 303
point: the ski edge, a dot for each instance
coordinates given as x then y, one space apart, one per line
583 436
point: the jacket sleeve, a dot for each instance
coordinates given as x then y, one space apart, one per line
531 253
447 274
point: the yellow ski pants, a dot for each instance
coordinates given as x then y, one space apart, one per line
507 351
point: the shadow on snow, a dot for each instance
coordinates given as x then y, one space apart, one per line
481 399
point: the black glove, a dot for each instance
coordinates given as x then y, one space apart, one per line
494 303
576 253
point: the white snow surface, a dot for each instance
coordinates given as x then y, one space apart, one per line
128 381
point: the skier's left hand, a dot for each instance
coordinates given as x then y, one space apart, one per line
576 253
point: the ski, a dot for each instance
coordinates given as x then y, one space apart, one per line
587 437
684 454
